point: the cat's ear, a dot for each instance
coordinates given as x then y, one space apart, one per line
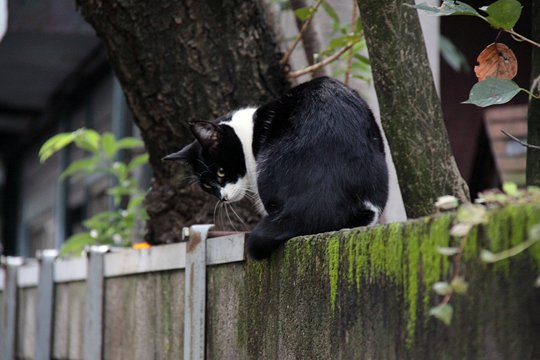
187 154
208 134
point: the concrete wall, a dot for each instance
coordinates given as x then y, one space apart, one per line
354 294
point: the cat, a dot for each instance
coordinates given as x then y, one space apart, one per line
311 160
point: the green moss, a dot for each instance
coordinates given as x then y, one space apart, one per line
361 256
394 252
533 218
434 265
412 234
470 251
497 231
518 219
351 251
333 268
377 251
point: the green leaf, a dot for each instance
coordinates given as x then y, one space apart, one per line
120 171
362 59
88 139
135 202
452 55
510 188
447 8
343 41
76 244
487 256
459 285
447 202
304 13
86 165
330 12
503 14
108 142
129 143
359 26
460 229
448 251
492 92
442 312
534 232
442 288
101 220
54 144
138 161
471 214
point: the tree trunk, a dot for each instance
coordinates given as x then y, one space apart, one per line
410 109
180 61
533 117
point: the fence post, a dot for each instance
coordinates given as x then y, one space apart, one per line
9 308
45 304
195 293
93 317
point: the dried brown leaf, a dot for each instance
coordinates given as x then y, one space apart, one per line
496 61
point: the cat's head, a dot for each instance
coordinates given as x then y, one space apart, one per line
217 160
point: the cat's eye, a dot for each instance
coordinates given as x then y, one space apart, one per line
220 173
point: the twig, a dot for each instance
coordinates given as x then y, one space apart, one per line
310 38
523 38
457 269
287 55
351 53
314 67
520 141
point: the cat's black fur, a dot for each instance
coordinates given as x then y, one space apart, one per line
320 163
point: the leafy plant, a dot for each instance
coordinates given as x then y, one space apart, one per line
115 227
468 216
347 38
495 84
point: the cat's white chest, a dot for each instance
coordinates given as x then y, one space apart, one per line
242 123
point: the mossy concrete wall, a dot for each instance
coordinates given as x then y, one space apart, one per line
353 294
366 294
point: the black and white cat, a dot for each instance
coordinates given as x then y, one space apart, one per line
312 160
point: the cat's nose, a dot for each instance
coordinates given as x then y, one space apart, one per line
224 195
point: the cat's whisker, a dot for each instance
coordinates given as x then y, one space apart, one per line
215 209
229 217
238 216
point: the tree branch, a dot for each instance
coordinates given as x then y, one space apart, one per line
310 38
287 55
351 54
520 141
522 38
314 67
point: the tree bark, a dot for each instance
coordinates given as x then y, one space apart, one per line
180 61
533 116
410 108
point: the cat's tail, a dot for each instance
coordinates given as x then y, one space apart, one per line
266 237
